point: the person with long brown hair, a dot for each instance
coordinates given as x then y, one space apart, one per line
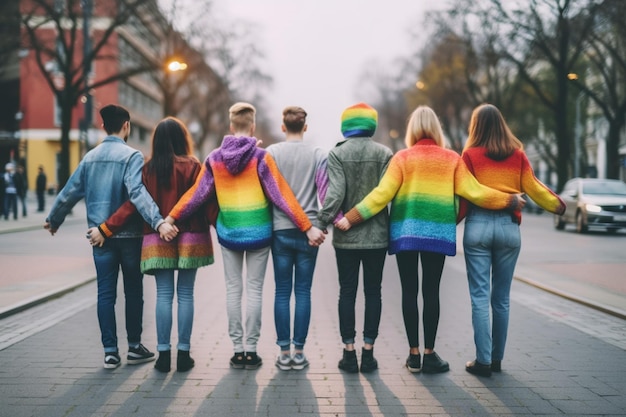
171 170
491 240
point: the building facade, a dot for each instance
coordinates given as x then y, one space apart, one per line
30 119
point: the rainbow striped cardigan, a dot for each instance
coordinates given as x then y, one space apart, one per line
422 183
246 180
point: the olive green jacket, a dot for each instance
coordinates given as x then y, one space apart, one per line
355 166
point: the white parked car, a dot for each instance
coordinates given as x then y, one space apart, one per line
593 202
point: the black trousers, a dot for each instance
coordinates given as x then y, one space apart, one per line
432 267
348 264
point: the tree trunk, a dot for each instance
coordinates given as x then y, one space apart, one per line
66 105
563 138
612 148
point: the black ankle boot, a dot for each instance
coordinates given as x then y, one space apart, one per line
184 362
164 362
368 361
349 363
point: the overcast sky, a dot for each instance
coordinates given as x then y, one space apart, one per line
316 50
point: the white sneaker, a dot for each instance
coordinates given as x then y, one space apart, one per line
283 362
299 361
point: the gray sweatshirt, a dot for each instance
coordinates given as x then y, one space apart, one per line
304 168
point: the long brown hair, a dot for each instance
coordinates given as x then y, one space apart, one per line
488 129
169 140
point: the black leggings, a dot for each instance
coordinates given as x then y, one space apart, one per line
432 267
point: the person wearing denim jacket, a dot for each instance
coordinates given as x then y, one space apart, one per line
107 176
355 165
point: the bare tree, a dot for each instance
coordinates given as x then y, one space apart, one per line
386 92
541 34
605 82
61 57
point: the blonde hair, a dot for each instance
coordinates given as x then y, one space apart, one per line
242 116
424 124
488 129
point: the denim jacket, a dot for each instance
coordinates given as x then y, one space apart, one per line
107 176
355 167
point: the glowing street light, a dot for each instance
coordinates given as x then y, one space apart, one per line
420 85
174 66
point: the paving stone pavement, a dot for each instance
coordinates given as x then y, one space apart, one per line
562 359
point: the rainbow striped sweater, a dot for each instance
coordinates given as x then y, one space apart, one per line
246 181
422 183
512 175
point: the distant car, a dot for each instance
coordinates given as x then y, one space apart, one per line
593 202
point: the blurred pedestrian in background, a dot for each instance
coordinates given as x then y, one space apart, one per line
40 188
21 184
10 191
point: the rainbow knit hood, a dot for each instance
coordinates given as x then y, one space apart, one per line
359 120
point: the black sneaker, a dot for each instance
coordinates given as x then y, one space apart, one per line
496 366
139 355
433 364
111 360
184 362
253 361
164 362
368 361
476 368
238 361
414 363
349 363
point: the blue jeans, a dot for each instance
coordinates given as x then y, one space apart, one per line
165 296
348 264
116 253
10 205
492 244
294 263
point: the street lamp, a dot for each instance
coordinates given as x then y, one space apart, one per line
174 66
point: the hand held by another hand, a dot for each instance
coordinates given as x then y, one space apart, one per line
167 231
343 224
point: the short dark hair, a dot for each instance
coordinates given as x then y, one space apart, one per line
114 117
294 119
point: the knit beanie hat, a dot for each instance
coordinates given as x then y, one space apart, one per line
359 120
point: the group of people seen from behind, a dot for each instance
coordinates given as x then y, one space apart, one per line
155 219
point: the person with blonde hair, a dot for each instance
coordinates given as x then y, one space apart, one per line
422 183
491 240
246 182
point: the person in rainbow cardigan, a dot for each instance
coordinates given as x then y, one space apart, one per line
246 181
422 183
491 240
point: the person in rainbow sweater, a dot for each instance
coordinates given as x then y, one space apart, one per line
491 240
246 181
422 183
